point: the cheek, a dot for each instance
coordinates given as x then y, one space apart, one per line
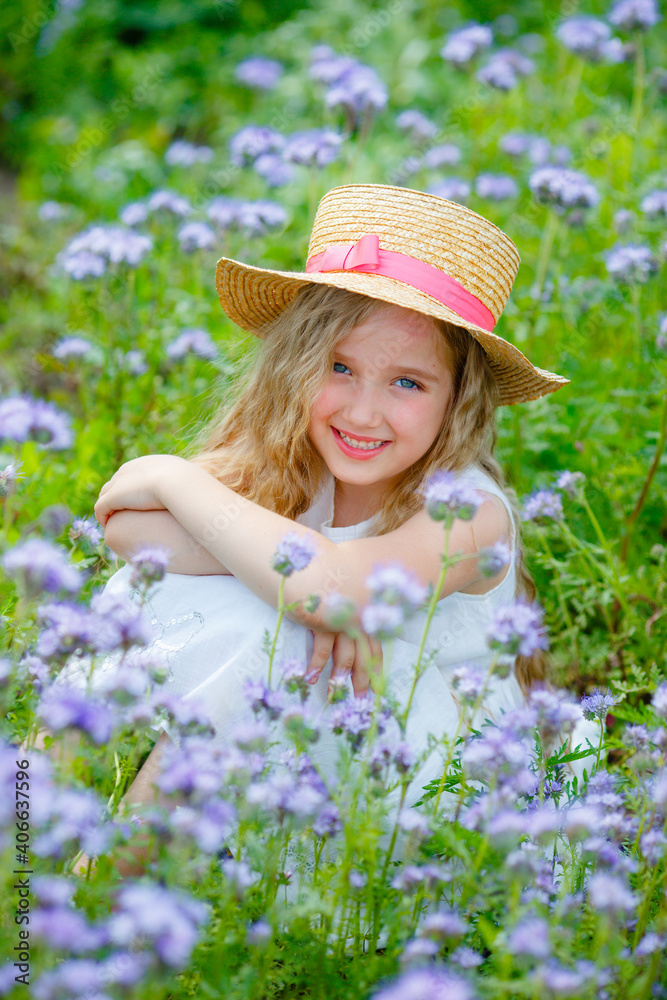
325 404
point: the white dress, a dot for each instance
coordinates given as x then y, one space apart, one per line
211 631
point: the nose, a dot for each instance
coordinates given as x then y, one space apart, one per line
362 409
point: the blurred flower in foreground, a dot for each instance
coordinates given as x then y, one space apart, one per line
51 211
462 45
88 253
88 528
23 418
72 347
259 72
149 564
634 15
38 565
446 497
165 919
570 482
8 478
294 552
591 39
352 85
192 341
538 149
253 217
185 154
517 628
447 154
431 983
631 263
254 141
134 213
273 168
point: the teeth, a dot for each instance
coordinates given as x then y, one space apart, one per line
362 445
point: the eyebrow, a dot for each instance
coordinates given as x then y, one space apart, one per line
419 373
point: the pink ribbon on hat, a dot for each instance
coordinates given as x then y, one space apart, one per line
366 256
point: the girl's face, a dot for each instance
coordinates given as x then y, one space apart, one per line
387 395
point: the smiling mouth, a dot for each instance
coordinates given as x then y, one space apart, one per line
358 443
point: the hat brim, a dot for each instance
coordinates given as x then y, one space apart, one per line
253 296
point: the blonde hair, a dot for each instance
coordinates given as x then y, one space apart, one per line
260 446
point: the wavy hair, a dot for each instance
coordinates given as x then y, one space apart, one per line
260 447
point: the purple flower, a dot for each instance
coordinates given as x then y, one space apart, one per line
133 362
294 552
9 477
37 565
355 88
419 948
256 217
273 168
149 565
590 38
50 211
530 937
468 682
263 700
122 623
352 718
192 341
659 701
624 220
653 846
23 418
634 15
443 924
223 212
169 201
62 707
88 528
416 124
447 154
238 875
543 505
631 263
563 189
517 628
504 69
446 497
326 66
649 944
72 347
134 213
185 154
570 483
453 189
392 584
610 894
462 45
66 929
83 264
496 187
493 558
164 919
254 141
384 621
118 244
655 204
196 236
432 983
466 958
558 980
259 73
327 823
597 705
414 824
259 933
313 148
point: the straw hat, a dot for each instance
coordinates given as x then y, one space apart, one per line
407 248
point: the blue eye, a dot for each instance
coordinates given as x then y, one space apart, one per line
415 385
340 365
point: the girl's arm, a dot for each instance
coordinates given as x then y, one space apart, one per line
244 536
128 530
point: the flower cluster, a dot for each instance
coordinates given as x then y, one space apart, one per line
259 73
23 419
396 594
632 263
446 497
254 218
351 85
88 254
464 44
563 189
591 39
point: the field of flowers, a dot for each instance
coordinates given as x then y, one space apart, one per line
138 160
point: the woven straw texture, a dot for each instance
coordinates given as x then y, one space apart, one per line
442 233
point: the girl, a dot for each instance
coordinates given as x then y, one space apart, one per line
379 366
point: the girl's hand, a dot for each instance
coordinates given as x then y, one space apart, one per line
351 657
136 485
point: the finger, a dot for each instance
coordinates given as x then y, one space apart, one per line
322 647
344 652
367 663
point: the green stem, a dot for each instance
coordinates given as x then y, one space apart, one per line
548 238
634 294
431 611
660 447
640 77
561 599
281 613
